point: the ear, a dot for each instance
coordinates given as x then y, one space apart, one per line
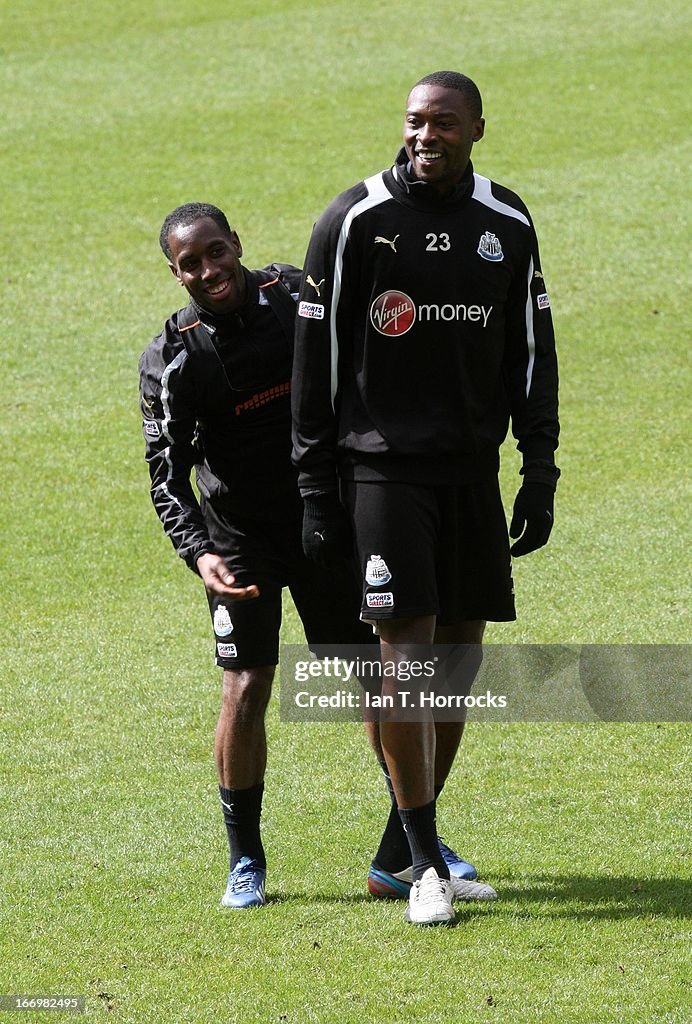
176 274
237 245
479 129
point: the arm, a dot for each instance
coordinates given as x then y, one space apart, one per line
169 426
315 366
532 384
314 396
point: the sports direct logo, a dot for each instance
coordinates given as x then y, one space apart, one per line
394 313
311 310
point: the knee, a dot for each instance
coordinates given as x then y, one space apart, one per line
460 654
467 631
246 692
420 630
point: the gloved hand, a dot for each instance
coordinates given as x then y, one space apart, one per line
532 519
326 530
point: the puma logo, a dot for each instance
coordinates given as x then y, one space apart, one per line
315 284
386 241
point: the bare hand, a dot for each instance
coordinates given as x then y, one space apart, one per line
219 580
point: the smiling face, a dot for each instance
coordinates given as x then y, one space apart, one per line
206 261
439 132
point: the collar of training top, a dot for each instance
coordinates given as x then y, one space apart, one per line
224 322
403 175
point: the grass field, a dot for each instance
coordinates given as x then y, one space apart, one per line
111 844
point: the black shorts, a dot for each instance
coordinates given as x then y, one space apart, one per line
271 555
438 550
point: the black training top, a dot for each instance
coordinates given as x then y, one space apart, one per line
224 408
423 327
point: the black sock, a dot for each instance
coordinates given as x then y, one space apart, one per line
241 814
421 832
387 779
394 852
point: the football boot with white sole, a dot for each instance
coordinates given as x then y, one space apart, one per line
430 900
245 886
397 884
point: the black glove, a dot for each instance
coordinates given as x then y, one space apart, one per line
532 520
326 530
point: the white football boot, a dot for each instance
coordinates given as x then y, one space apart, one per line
430 900
467 891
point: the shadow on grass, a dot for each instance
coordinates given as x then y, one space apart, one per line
279 899
334 898
613 897
570 896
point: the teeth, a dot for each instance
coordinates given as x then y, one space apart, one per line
426 154
215 289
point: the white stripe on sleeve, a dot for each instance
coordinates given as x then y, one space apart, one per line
377 193
530 338
482 192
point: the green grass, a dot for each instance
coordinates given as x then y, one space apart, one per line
111 847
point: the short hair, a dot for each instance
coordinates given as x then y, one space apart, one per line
185 215
455 80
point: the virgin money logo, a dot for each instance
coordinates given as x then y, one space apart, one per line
392 314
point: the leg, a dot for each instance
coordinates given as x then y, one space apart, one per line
448 734
389 870
461 666
246 635
474 583
395 530
240 745
240 750
408 747
409 750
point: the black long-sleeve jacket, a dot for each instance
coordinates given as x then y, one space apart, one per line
223 409
423 327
